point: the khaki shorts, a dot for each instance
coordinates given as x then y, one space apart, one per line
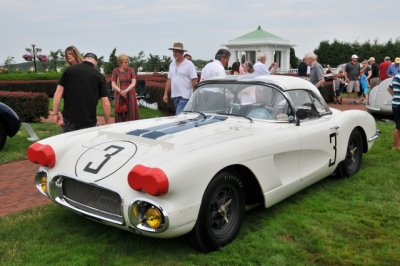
374 82
353 85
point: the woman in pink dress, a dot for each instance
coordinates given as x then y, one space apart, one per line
123 82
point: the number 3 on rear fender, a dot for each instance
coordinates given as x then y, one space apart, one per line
333 141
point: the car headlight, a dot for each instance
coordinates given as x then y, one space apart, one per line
148 217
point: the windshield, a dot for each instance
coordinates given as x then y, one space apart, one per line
247 100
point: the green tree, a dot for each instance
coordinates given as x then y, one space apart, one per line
199 63
56 60
337 52
153 63
137 61
112 62
100 62
9 63
165 62
294 61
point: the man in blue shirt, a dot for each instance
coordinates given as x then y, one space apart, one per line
394 68
394 90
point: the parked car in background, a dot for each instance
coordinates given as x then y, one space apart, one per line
380 100
9 123
241 141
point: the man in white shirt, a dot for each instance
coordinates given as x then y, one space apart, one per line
182 79
260 68
216 68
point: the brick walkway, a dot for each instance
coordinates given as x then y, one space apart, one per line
17 189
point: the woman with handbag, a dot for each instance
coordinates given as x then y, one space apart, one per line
123 83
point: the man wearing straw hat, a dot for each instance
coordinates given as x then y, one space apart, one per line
182 78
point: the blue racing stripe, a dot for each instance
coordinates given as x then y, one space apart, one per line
175 127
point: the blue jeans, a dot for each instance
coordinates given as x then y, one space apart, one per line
180 104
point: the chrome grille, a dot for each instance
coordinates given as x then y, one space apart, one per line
92 199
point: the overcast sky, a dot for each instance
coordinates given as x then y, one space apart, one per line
203 26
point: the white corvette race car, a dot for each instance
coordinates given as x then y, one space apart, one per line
241 141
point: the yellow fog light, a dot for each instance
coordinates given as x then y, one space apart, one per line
43 184
146 216
135 212
153 217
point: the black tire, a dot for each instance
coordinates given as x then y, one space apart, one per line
352 162
3 135
221 213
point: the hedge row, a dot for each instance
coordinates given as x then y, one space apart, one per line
42 86
155 84
30 76
156 96
29 106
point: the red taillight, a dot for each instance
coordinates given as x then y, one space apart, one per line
151 180
41 154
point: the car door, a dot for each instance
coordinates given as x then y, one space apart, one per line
318 136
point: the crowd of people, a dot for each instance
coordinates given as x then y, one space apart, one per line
82 86
357 79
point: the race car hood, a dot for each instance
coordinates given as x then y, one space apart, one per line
95 155
178 135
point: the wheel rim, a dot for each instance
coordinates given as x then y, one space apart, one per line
353 155
223 211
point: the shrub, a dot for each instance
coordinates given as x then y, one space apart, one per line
155 84
29 106
43 86
327 92
156 95
30 76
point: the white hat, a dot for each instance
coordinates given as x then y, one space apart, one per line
354 56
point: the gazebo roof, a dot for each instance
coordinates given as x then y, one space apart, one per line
259 36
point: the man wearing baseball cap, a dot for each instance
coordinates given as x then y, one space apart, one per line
351 72
182 79
394 68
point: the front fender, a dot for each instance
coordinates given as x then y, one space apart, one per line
10 120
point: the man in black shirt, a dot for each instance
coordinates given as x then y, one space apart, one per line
81 86
374 79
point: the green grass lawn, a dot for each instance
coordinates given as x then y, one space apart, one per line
15 148
350 221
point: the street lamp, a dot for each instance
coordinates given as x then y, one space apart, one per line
33 54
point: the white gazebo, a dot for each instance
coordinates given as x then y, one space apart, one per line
247 46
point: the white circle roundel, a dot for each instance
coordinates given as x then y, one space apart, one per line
104 159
